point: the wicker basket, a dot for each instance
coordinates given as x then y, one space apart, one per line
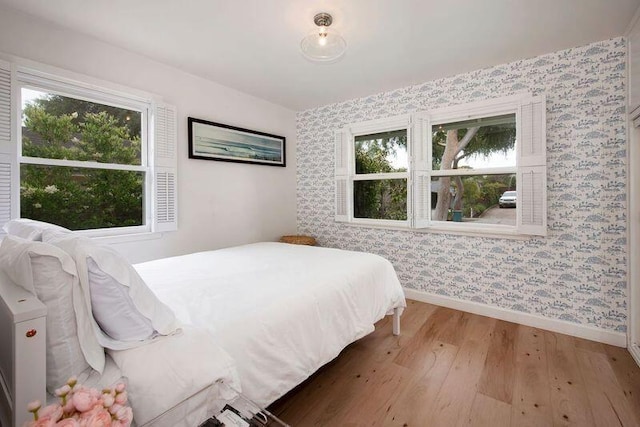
299 240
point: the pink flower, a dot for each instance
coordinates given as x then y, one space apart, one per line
99 418
83 407
108 400
34 406
54 412
42 422
67 422
63 391
69 407
125 414
83 400
121 398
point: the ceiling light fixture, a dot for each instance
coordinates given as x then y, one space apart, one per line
322 45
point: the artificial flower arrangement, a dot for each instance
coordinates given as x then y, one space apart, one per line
83 407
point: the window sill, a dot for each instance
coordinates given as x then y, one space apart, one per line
127 238
492 233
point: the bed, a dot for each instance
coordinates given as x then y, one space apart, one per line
264 315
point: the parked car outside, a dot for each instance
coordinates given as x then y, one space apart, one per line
508 199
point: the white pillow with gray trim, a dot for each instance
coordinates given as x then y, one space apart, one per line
125 312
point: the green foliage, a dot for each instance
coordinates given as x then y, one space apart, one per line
487 141
380 199
483 192
58 106
80 198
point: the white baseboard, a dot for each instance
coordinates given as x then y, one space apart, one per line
635 352
618 339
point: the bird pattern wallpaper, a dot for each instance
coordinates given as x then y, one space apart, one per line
578 272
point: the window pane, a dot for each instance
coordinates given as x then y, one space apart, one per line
380 199
60 127
474 199
473 144
81 198
382 152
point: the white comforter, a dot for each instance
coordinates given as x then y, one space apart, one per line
281 311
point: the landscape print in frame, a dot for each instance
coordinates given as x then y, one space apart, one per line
216 141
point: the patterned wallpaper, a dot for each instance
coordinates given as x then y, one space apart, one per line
578 272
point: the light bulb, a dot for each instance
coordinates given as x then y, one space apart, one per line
322 35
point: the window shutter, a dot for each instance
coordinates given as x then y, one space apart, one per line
420 142
8 169
5 103
343 200
165 189
533 130
421 179
532 198
532 169
421 199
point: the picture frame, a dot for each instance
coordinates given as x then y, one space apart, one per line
216 141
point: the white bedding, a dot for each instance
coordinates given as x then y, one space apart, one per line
167 377
281 311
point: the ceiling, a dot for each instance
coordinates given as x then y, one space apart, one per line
253 45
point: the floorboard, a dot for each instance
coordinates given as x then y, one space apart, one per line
450 368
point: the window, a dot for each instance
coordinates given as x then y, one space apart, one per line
472 163
83 163
85 157
478 167
381 176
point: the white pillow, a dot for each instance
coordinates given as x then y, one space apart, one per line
128 295
113 308
30 229
50 274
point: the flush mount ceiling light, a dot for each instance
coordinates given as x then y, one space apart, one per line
323 45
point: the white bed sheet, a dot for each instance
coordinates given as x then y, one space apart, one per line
172 380
281 311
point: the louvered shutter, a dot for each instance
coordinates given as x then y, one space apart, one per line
165 141
343 190
420 177
8 169
532 169
5 103
533 141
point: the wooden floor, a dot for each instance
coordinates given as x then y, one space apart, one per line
450 368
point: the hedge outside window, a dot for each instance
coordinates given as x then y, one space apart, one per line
59 133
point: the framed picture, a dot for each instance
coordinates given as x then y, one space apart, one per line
215 141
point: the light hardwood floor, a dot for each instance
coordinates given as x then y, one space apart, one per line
450 368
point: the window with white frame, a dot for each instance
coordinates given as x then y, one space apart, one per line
478 167
85 157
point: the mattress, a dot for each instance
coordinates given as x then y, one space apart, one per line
280 311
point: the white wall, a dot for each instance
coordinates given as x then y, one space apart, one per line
220 204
